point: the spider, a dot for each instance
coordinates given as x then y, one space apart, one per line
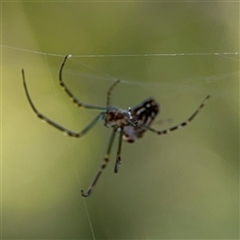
131 124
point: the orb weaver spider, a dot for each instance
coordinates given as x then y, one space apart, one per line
131 124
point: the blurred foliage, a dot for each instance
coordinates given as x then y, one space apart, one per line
181 186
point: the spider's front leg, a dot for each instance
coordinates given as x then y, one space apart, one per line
70 94
98 118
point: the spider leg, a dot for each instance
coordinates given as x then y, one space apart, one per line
70 94
183 124
98 118
118 159
110 91
103 165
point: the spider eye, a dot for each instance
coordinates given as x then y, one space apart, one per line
130 124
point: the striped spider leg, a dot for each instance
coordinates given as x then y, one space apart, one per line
183 124
112 116
131 124
141 117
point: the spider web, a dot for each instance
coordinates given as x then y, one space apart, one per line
167 187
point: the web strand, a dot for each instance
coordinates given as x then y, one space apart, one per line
68 145
233 56
103 76
129 55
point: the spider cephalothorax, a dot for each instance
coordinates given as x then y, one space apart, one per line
134 121
130 124
116 117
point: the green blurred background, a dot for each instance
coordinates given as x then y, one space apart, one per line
180 186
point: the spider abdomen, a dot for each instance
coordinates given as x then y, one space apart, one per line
131 124
143 114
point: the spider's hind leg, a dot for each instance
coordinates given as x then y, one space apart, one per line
118 158
103 165
183 124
